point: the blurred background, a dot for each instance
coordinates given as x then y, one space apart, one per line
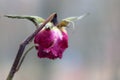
94 43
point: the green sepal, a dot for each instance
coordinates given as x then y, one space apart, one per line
35 19
68 20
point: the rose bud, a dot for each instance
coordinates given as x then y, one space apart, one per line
51 42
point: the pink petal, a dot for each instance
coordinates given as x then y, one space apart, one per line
51 43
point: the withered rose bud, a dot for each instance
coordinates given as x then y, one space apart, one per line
51 42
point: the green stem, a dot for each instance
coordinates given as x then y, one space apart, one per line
22 59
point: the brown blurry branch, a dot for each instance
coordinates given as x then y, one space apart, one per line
24 44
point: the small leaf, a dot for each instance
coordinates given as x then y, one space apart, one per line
68 20
35 19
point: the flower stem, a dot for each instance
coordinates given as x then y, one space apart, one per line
22 59
23 45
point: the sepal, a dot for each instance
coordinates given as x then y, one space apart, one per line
35 19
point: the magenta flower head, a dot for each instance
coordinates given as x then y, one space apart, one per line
51 42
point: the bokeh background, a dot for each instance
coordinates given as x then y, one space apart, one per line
94 43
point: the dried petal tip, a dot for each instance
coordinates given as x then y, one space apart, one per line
51 43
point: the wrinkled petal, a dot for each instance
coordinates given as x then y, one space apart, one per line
51 43
45 38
